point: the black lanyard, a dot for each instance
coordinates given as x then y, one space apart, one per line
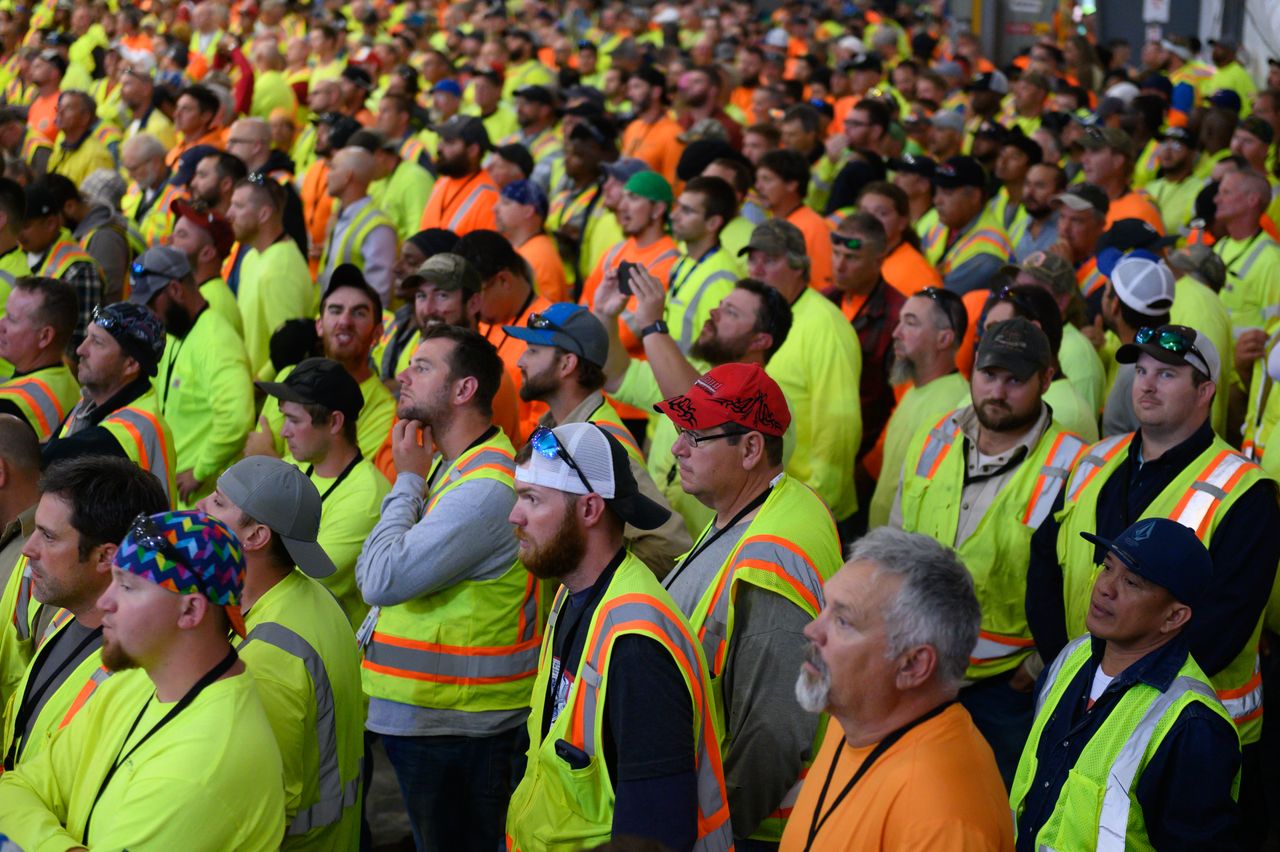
677 282
185 701
346 471
1244 251
30 700
699 546
520 313
819 818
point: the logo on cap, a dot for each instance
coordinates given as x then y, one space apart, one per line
755 407
1143 532
708 384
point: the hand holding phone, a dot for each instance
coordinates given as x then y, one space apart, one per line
624 277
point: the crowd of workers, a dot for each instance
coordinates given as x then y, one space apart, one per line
662 426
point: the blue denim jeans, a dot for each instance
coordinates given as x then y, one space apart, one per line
1003 716
455 789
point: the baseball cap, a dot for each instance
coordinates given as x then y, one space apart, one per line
138 332
1226 99
703 128
447 271
1050 268
187 553
350 275
650 185
341 127
743 394
1159 83
527 192
1201 263
1143 283
518 155
185 170
1258 127
1164 552
959 171
623 169
447 87
468 128
946 119
154 269
1114 138
597 458
992 81
1017 345
863 62
40 201
278 494
1024 143
1085 196
1129 234
210 221
319 381
357 75
1174 344
536 94
914 164
776 237
1181 135
571 327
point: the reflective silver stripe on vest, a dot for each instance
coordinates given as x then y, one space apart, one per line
1055 668
709 794
479 460
687 331
509 664
1055 472
1096 459
21 614
1253 256
39 395
347 248
466 205
152 442
940 438
7 277
1208 492
792 564
333 794
1246 705
1114 819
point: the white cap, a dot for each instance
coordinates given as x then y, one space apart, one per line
667 16
1144 285
776 37
853 44
1124 91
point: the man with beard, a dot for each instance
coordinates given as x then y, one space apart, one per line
1228 73
536 115
350 324
1082 218
250 140
119 411
705 272
563 366
1108 161
137 95
652 134
1160 471
1139 294
464 195
275 284
887 656
39 316
976 243
613 632
85 508
173 600
699 94
206 238
440 571
1175 191
1038 229
930 326
577 219
204 385
52 253
214 180
964 478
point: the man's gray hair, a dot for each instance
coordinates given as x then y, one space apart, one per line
936 604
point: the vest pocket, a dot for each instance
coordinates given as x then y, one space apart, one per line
1074 821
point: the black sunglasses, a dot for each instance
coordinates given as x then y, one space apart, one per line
145 533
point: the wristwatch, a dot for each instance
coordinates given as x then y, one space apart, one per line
659 327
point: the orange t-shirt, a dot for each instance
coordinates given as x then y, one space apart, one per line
215 137
317 207
656 144
817 241
908 271
974 301
462 205
1135 205
41 115
851 303
935 789
510 349
548 269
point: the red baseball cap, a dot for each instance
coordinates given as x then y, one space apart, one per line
210 221
731 393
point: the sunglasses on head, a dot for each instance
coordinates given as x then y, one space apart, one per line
1173 339
145 533
546 444
138 270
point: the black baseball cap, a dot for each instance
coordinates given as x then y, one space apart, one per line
319 381
1085 196
959 171
913 164
468 128
1017 345
536 94
1129 234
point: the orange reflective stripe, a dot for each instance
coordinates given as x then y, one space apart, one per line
1210 492
1052 476
90 686
1092 463
33 406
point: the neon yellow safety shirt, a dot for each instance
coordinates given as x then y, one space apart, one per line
1083 366
349 510
275 286
44 396
1252 291
373 424
223 302
697 285
302 654
160 798
206 396
1195 305
402 195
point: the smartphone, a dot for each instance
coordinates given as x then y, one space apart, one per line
624 277
572 755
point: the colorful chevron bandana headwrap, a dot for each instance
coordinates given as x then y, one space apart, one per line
187 553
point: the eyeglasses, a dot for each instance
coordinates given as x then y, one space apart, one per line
145 533
851 243
697 441
546 444
1175 339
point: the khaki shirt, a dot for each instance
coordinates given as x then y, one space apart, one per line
11 542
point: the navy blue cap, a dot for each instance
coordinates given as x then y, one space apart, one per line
1164 552
526 192
1226 99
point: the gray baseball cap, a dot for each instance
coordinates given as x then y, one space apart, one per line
447 271
278 494
153 270
569 326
